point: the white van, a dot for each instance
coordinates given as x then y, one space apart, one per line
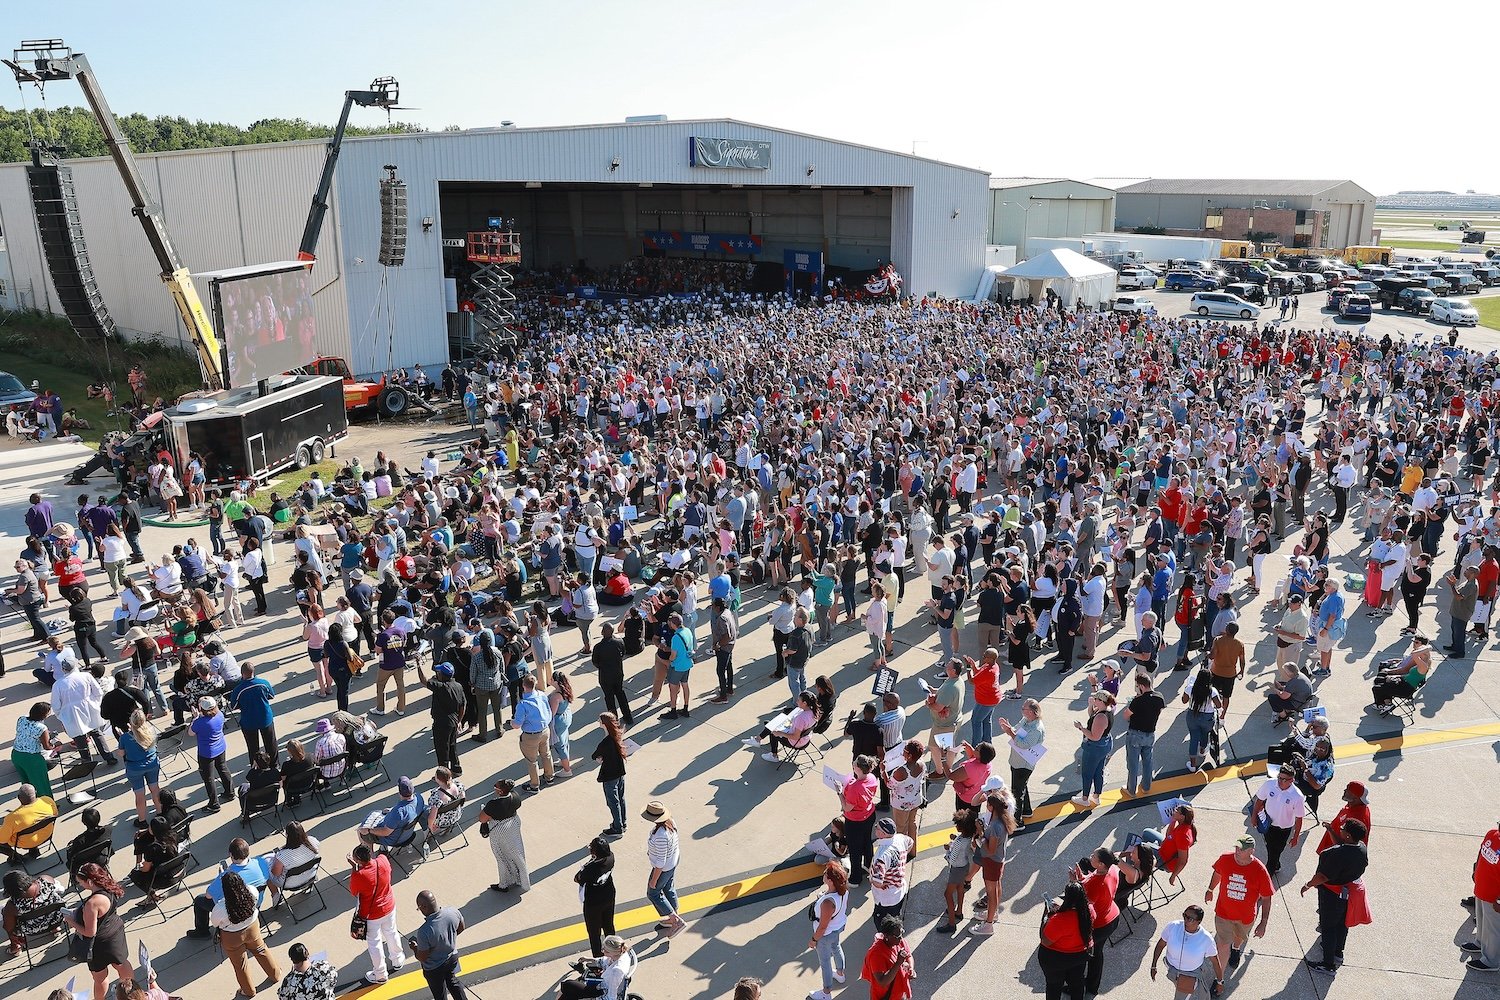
1222 304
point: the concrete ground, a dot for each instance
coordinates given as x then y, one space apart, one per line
745 881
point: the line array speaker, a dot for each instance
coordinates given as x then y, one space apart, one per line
57 221
392 222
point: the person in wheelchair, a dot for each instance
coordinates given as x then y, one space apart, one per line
1405 678
607 977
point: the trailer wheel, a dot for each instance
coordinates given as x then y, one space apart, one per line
318 451
393 401
304 457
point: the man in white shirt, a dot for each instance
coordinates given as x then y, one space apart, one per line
1188 945
1284 806
888 881
76 698
1344 478
939 565
968 483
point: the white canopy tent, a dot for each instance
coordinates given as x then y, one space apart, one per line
1070 275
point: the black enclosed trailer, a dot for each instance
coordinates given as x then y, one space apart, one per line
241 434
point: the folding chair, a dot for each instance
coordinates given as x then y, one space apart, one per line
55 930
49 827
76 773
325 787
454 809
99 855
800 757
257 801
292 886
364 759
171 744
1404 709
412 841
172 877
301 789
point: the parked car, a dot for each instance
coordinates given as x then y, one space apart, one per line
1456 311
1336 298
1312 281
1222 304
1135 279
13 392
1248 290
1191 281
1355 306
1417 300
1133 304
1436 285
1488 275
1461 282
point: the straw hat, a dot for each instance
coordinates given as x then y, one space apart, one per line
656 812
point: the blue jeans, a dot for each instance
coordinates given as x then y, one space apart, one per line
945 637
1456 630
831 957
1095 756
1199 725
216 537
1138 750
663 895
614 797
796 680
982 725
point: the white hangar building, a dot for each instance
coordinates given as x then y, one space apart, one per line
594 194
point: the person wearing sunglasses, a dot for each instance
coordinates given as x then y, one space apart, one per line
1188 946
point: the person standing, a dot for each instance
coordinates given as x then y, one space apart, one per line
857 797
76 700
946 703
888 875
797 648
596 883
375 905
237 916
1026 736
27 592
307 980
252 696
1067 934
1484 950
889 965
1188 946
1141 715
1244 888
608 658
681 643
500 823
1101 882
435 945
1341 891
611 754
534 719
726 630
830 915
447 708
663 851
1284 806
1464 593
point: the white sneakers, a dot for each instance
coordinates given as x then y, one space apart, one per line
982 928
1085 801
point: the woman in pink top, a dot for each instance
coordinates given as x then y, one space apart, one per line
858 797
970 776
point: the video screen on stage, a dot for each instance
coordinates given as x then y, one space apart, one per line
266 323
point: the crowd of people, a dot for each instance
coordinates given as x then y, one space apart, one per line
1050 483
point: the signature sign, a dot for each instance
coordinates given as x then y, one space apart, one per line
737 154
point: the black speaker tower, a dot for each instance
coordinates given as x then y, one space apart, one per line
392 220
56 206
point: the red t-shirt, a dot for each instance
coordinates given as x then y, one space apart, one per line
878 961
861 795
1100 888
371 885
1240 888
1178 840
1487 869
987 685
69 571
1062 930
1489 573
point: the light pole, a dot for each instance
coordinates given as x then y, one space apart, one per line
1025 221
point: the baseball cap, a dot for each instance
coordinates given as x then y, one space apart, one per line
404 786
1245 843
886 826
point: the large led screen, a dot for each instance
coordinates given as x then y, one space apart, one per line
266 322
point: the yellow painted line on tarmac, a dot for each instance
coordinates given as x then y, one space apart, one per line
519 949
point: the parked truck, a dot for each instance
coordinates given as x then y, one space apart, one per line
1390 294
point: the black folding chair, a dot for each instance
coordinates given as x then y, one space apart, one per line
324 787
99 855
257 801
54 930
455 809
47 825
803 756
300 788
293 885
366 758
412 841
170 876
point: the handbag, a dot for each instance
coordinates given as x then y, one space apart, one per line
359 928
356 663
80 948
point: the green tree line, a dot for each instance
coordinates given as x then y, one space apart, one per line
74 132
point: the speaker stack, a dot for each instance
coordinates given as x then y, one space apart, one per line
56 206
392 220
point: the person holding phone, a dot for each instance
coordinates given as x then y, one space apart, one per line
435 944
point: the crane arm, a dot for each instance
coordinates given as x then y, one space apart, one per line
51 60
383 93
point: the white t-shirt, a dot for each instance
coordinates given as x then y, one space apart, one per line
1187 952
888 871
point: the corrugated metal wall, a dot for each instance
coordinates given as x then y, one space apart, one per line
223 208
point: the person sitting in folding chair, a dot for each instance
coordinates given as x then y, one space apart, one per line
26 895
15 843
798 731
607 977
1402 681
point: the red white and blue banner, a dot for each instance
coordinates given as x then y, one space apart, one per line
666 239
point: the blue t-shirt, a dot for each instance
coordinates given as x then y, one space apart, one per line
720 586
399 817
682 650
255 871
350 554
1161 584
253 697
209 730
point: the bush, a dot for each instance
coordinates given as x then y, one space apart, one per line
50 339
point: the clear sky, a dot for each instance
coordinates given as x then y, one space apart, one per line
1088 88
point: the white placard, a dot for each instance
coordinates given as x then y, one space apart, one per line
631 746
894 759
1029 754
781 723
833 779
944 741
